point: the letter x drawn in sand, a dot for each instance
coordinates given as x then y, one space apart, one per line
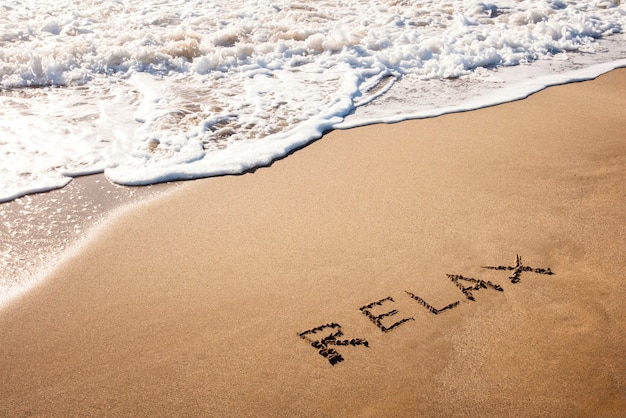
518 268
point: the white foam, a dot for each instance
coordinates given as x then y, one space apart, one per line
156 90
516 90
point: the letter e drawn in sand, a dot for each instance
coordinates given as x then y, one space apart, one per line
332 339
518 268
377 319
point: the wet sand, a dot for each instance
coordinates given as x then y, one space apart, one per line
36 229
273 293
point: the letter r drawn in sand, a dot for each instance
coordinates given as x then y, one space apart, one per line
333 339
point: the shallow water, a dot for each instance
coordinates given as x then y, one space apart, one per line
36 229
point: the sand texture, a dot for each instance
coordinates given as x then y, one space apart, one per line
497 236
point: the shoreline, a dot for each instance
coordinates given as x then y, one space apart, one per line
41 227
208 299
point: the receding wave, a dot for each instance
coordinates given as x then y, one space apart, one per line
154 91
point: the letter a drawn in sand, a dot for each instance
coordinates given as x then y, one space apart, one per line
477 285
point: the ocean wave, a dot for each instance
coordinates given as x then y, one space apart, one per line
157 90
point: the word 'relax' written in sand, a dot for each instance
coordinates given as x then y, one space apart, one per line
328 337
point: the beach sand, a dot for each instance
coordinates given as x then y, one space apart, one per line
239 296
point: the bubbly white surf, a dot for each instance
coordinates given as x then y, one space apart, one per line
157 90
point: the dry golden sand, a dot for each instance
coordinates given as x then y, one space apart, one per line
196 304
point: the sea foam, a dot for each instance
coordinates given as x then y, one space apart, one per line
160 90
